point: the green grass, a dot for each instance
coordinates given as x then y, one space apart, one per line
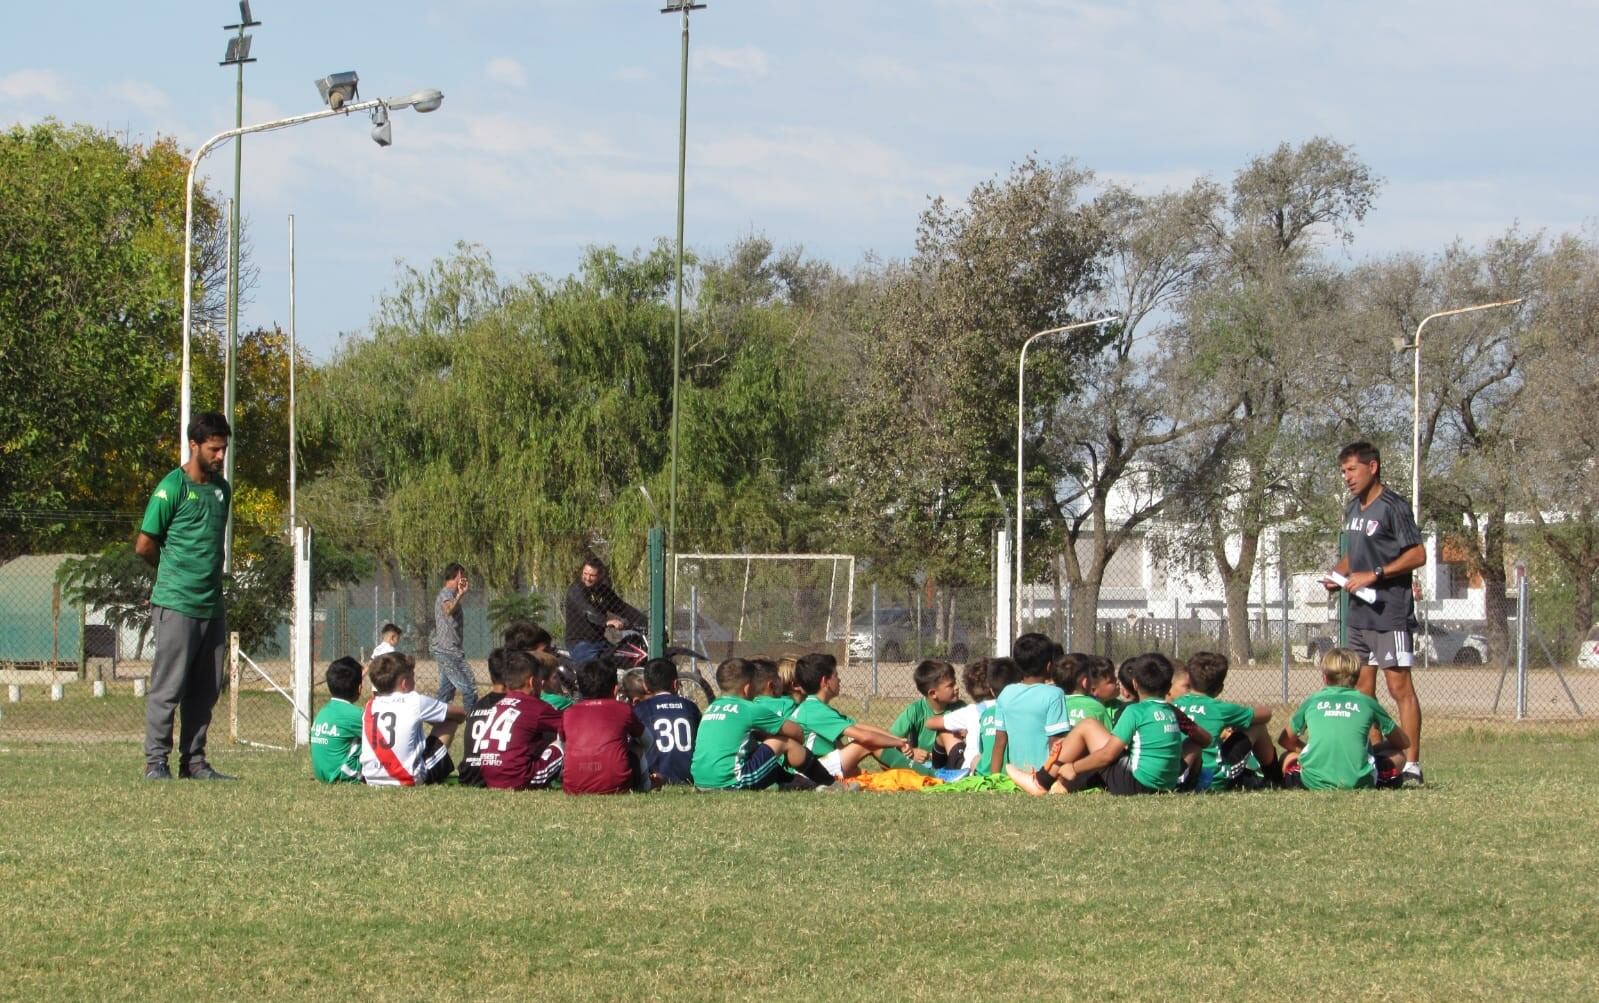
1479 886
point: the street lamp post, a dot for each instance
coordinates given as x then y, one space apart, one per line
1021 371
1414 345
684 7
342 91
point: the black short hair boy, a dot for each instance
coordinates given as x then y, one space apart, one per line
344 678
1033 652
1151 672
813 670
1207 672
660 675
732 674
524 636
1067 669
596 679
927 674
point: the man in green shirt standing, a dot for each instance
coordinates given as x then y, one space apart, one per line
182 536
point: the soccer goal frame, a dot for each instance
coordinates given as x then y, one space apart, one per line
848 584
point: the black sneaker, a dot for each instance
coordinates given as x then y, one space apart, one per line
157 771
203 772
1411 776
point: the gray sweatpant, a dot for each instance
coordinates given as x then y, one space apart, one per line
186 675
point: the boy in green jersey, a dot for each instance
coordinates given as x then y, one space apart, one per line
1243 749
974 723
552 685
1327 740
336 732
935 681
1094 688
1141 754
740 744
770 691
840 741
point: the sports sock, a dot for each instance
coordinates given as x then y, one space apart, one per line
813 770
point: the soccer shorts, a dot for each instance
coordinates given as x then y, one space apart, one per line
759 770
1117 778
436 762
547 771
834 762
1386 649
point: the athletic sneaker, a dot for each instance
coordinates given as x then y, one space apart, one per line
1410 776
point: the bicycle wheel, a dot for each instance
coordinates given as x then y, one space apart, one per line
693 686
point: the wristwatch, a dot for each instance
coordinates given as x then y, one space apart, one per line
1378 572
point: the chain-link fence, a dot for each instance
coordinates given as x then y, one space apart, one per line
70 672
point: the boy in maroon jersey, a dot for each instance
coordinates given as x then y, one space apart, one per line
601 736
518 750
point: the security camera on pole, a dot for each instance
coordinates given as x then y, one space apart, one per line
338 91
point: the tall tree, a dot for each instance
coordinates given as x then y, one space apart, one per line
90 310
1266 333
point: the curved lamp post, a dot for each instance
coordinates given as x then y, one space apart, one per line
337 90
1021 370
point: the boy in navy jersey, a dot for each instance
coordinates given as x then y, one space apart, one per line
1384 547
670 724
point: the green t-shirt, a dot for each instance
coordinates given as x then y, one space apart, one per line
1214 716
189 520
783 706
1082 707
336 743
985 738
723 740
560 701
824 726
912 723
1336 755
1154 743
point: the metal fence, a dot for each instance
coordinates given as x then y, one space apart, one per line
67 675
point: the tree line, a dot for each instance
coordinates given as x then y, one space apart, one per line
511 421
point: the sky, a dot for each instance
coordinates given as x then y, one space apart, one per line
826 124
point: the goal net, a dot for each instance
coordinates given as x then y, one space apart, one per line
771 605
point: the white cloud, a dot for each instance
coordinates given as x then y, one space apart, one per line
146 97
22 85
509 72
744 61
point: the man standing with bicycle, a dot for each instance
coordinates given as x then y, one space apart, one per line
592 606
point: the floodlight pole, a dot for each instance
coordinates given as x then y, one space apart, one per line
1415 398
685 7
185 387
238 54
1021 371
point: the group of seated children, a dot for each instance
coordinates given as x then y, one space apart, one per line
1051 721
525 733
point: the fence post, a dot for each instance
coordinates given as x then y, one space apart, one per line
1282 588
1343 594
659 617
1002 597
1521 641
233 686
694 623
874 639
1071 617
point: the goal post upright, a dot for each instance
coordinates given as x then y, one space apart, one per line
747 561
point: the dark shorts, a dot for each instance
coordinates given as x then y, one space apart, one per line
761 769
1386 649
436 762
1117 778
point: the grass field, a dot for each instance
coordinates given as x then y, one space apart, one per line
1479 886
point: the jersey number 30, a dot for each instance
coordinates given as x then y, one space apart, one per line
674 735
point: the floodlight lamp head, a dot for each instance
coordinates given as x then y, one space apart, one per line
339 89
382 132
423 101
